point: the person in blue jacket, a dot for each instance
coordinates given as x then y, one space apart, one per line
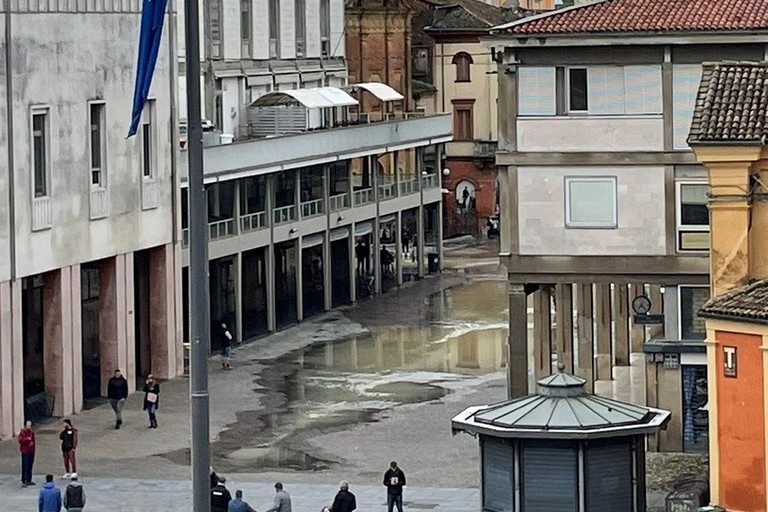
50 497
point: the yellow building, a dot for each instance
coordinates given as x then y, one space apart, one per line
728 135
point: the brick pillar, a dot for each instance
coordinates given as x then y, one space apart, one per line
116 340
162 324
11 360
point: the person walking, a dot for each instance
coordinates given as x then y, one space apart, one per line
238 505
344 500
27 449
220 496
69 441
151 399
226 347
282 500
74 496
49 499
117 392
394 479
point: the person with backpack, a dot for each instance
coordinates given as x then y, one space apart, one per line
69 440
27 449
220 496
49 499
74 496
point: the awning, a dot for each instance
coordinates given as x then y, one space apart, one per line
387 219
381 91
339 234
311 240
319 97
363 228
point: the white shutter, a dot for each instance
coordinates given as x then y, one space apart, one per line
287 30
312 38
685 86
536 91
260 29
642 86
605 90
337 28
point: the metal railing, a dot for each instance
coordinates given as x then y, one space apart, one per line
253 221
387 191
364 196
284 214
311 208
221 229
339 202
409 187
429 181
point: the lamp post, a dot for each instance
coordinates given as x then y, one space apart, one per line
198 271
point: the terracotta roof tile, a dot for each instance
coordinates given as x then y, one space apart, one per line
731 104
621 16
748 303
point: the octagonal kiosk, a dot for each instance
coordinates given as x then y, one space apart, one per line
562 450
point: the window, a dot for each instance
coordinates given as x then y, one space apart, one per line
96 121
40 152
214 22
462 61
536 91
325 27
691 299
274 28
300 11
692 216
148 155
463 119
591 202
245 28
577 90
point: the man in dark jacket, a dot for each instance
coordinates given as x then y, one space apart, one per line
394 479
220 497
117 392
345 500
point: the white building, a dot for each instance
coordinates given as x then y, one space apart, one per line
88 266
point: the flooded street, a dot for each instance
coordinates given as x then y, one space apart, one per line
410 352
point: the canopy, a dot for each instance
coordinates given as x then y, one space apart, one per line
381 91
318 97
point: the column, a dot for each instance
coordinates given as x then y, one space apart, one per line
11 359
269 268
163 345
239 297
542 332
179 311
299 276
352 264
111 318
637 332
564 332
129 326
376 256
327 273
603 361
621 324
517 342
420 236
399 248
586 361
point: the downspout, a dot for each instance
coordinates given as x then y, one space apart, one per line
174 82
11 159
442 76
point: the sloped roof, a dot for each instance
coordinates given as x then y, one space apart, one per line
748 303
471 15
621 16
731 104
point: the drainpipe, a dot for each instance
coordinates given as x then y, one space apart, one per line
174 83
11 159
442 76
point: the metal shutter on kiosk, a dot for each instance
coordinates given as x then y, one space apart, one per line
498 462
609 477
605 90
550 477
536 91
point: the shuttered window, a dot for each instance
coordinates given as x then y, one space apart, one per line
497 475
642 87
605 88
609 477
550 477
685 86
536 91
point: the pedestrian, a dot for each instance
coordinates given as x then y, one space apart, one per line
49 499
282 500
394 479
344 500
151 399
27 449
226 347
117 392
220 496
74 496
238 505
69 441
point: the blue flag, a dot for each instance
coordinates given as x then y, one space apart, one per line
152 17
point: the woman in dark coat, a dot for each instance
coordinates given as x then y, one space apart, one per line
151 399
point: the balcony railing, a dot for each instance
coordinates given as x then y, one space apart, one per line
387 191
339 202
311 208
99 205
364 196
429 181
486 148
221 229
42 214
253 221
284 214
409 187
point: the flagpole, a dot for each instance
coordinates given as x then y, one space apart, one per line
198 271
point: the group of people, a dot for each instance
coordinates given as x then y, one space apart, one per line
117 393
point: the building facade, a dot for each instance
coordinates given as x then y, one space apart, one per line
89 269
602 199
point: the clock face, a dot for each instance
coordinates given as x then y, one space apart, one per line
641 305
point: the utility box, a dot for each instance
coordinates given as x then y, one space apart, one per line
690 493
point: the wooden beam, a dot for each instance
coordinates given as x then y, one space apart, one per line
603 359
542 332
584 320
564 331
637 332
621 324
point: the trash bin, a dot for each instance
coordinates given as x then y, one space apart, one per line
433 263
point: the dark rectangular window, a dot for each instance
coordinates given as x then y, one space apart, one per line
40 150
245 27
214 24
300 12
577 90
463 119
325 27
97 144
274 29
692 298
146 149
